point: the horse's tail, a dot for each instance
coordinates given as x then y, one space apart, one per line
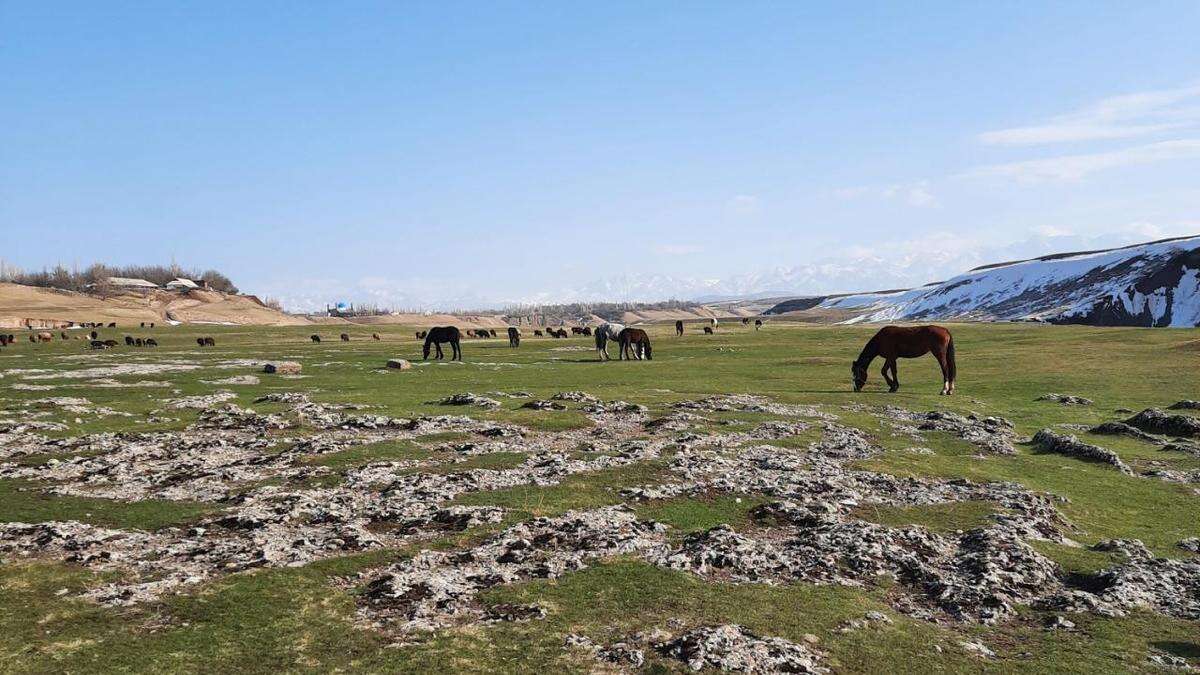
950 366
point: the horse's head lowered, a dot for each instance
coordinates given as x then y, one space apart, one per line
858 372
425 349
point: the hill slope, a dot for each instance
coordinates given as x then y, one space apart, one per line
1153 284
44 307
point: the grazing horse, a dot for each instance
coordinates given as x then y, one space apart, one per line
315 338
441 334
514 337
757 324
708 330
604 333
679 329
421 334
745 321
137 343
537 333
345 337
95 335
375 337
634 342
893 342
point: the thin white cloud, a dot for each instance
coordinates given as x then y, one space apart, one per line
1127 116
678 249
916 195
1076 167
744 204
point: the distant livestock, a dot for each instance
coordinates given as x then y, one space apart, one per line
421 334
345 337
438 335
137 342
605 333
128 341
576 330
206 342
678 328
634 343
95 335
45 337
514 337
315 338
537 333
893 342
97 344
375 337
708 330
745 321
151 342
757 324
493 332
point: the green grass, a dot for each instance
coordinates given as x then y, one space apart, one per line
298 620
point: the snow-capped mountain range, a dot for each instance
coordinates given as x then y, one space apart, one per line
1153 284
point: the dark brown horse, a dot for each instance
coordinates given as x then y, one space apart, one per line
634 342
514 336
901 342
345 337
678 329
438 335
314 337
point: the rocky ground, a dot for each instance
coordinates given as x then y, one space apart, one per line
281 510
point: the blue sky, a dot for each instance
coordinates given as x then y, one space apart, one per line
462 154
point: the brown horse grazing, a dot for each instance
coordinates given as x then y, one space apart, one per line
708 330
538 333
314 337
438 335
375 337
345 337
514 337
634 342
678 329
893 342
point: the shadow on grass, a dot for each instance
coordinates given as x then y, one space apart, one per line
1187 650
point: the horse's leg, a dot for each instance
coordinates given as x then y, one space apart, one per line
892 381
457 349
947 386
440 355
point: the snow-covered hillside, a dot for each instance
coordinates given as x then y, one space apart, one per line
1154 284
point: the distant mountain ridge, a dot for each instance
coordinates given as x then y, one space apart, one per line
1153 284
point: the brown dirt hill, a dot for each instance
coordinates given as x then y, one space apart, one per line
22 306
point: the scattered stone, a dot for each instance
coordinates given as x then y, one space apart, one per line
467 398
544 405
202 401
1169 661
1155 421
731 647
234 380
619 654
993 435
575 396
1065 399
399 364
1058 622
1185 405
1190 544
436 589
977 649
1049 441
283 368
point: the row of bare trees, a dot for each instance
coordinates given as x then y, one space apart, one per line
95 277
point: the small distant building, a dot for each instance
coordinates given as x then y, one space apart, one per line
127 282
181 284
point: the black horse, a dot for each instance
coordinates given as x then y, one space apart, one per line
678 329
442 334
514 337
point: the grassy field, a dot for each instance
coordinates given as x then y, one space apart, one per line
297 619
